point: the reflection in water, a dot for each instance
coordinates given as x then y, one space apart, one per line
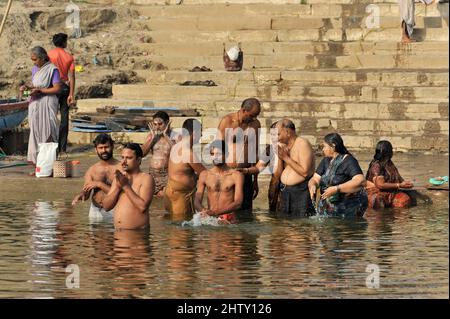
43 224
229 253
180 264
44 244
131 261
261 257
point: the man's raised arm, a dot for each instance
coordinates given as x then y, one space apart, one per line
84 195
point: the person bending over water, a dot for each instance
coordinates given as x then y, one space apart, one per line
224 185
131 192
384 180
158 143
340 179
184 167
298 162
99 177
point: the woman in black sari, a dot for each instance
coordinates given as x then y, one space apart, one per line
341 181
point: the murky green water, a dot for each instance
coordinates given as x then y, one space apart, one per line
262 257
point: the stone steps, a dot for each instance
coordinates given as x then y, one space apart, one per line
354 142
223 23
318 64
409 126
196 2
251 2
366 77
358 135
311 34
296 109
215 48
303 61
321 126
324 9
284 92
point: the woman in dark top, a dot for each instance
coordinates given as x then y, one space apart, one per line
384 181
340 179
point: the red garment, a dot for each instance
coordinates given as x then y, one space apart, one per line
401 200
64 61
385 198
231 218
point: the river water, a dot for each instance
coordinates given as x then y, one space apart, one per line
264 256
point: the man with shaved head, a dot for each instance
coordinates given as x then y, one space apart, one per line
298 167
240 131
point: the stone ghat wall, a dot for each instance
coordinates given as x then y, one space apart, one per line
315 61
209 2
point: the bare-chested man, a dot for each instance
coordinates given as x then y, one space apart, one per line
131 192
298 162
184 168
158 144
225 187
99 177
269 158
240 131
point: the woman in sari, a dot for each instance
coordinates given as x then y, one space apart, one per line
341 181
43 107
384 181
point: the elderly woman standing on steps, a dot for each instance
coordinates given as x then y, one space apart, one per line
43 108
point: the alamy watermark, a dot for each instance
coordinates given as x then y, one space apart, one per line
373 19
73 279
373 279
73 19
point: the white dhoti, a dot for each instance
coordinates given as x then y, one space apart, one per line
99 214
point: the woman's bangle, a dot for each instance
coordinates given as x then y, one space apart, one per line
338 189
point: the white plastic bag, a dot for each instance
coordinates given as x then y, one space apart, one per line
45 159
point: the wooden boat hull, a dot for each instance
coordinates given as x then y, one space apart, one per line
12 113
